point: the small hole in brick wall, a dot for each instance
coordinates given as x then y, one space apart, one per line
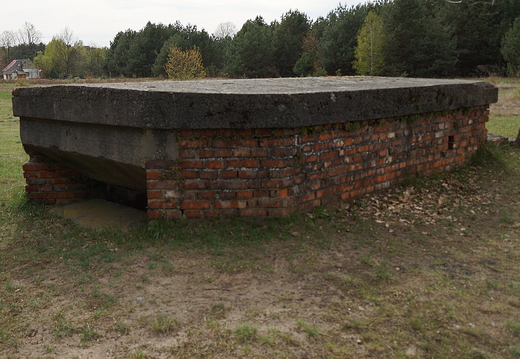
451 142
113 193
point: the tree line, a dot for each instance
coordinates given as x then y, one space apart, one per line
419 38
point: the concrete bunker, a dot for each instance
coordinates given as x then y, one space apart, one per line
262 147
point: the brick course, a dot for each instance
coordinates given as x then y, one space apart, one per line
51 182
274 172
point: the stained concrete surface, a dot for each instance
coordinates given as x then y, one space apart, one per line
101 214
246 103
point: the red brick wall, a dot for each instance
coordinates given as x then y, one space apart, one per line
274 172
51 182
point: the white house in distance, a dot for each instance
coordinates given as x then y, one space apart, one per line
20 69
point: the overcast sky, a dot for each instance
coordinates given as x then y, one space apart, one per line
96 22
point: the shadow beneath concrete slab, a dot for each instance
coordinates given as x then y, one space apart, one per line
102 214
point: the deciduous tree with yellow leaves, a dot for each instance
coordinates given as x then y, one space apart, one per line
183 65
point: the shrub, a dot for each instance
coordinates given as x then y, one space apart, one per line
184 65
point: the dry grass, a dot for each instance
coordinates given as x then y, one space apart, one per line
505 114
425 270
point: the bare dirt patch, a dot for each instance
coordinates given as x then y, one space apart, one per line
425 270
429 269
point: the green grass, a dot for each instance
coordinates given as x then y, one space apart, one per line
88 334
246 333
240 287
12 156
163 324
504 119
312 331
504 125
63 327
514 327
6 108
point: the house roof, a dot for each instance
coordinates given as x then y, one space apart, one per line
17 65
10 65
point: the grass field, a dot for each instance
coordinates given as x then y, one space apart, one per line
12 155
505 114
428 269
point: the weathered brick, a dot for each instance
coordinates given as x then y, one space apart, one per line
186 174
263 132
193 214
242 163
199 143
259 152
190 164
230 204
274 202
195 205
151 185
70 173
173 214
214 164
157 204
30 175
228 184
228 174
154 194
153 175
47 174
195 184
253 212
274 163
310 158
242 152
245 194
248 174
272 172
243 143
209 175
34 167
59 181
223 153
282 152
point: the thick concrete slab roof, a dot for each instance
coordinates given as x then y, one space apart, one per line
251 103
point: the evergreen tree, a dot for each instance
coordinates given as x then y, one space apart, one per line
309 62
145 47
511 49
250 53
186 38
288 39
479 29
118 55
134 53
176 41
417 43
25 51
339 38
369 52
